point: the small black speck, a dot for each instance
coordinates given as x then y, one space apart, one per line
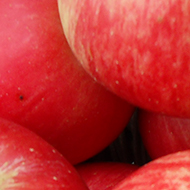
21 97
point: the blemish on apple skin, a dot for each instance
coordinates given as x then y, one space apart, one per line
90 55
152 186
160 19
53 150
142 72
23 163
117 82
116 62
31 149
111 33
55 178
95 173
21 97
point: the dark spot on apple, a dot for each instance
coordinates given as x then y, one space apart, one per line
21 97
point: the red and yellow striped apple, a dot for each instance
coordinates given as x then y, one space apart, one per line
138 49
171 172
44 88
29 162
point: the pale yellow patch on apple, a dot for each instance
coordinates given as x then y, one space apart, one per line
8 172
69 17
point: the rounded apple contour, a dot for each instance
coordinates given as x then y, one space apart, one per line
104 175
29 162
138 49
44 88
171 172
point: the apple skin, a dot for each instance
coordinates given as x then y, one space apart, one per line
44 88
137 49
104 175
28 162
171 172
163 134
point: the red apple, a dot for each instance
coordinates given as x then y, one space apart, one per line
28 162
171 172
44 88
163 134
104 175
138 49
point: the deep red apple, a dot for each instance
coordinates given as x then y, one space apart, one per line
28 162
44 88
138 49
104 175
163 134
171 172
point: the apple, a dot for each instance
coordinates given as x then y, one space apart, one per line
163 134
44 88
104 175
137 49
28 162
171 172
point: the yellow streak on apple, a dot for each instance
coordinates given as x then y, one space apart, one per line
8 171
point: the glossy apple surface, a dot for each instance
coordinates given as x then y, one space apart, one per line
44 88
28 162
138 49
171 172
104 175
163 134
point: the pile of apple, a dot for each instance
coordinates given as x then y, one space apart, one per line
72 75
